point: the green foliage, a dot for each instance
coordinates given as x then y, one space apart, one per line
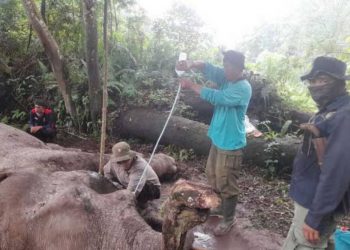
5 119
60 112
270 134
141 88
272 166
284 72
283 51
267 37
13 29
64 21
18 115
138 46
179 154
329 30
124 85
143 53
159 97
184 110
179 30
317 27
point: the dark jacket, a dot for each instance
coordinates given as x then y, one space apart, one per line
46 120
323 189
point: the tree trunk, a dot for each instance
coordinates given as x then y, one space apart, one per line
203 108
53 54
91 42
148 124
185 133
105 92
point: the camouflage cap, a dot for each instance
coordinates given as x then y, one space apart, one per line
121 152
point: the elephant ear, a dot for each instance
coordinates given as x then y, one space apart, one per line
188 205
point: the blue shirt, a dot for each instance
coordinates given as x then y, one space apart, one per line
325 190
230 100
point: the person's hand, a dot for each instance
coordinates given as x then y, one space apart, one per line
184 65
311 234
34 129
186 83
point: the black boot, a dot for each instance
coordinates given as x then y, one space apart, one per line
216 211
229 210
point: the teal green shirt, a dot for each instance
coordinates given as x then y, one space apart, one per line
230 102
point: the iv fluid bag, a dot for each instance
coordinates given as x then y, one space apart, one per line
182 57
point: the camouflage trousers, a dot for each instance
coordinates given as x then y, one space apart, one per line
295 239
223 167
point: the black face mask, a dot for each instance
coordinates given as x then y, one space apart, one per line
325 94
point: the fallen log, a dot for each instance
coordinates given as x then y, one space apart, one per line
185 133
204 110
148 124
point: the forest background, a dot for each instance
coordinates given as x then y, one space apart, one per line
142 52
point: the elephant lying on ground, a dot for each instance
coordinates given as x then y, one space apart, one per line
52 199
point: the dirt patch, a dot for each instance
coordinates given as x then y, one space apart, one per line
86 144
266 200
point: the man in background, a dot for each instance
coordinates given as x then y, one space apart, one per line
41 122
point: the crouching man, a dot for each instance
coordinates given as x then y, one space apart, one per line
127 169
41 122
